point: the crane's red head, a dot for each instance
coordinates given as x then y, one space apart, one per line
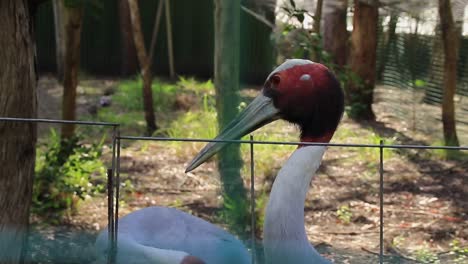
299 91
307 94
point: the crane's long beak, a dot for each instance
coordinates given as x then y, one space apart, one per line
258 113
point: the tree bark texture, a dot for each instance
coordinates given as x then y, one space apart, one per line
450 36
145 66
17 140
363 60
73 25
226 80
335 34
318 16
59 26
129 57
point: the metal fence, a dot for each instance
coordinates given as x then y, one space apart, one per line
113 172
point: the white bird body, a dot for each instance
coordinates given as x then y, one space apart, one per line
172 229
299 91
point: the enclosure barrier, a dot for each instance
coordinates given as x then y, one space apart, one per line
113 173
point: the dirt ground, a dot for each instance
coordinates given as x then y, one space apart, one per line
426 198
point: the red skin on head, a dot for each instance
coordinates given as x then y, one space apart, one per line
309 96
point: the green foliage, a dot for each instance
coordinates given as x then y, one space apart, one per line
397 241
261 202
460 252
295 41
129 95
64 174
196 123
344 214
294 12
190 84
235 214
418 83
426 256
446 154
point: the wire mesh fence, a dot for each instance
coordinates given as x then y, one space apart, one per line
411 71
114 171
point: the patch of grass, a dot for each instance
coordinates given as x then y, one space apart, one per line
129 95
268 157
344 214
443 154
424 255
365 156
190 84
459 251
398 241
192 124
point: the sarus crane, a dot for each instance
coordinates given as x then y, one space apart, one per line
300 91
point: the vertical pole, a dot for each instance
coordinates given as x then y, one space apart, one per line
252 199
117 190
169 40
110 200
381 190
154 37
110 226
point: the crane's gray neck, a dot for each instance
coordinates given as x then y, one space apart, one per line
285 239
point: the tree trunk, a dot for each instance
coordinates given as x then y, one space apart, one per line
145 66
450 36
226 80
59 25
363 60
129 58
318 16
17 140
335 34
74 22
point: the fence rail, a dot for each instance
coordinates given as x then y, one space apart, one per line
113 173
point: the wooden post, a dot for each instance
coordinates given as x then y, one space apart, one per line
169 40
154 36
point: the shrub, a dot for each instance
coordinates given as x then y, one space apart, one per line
65 171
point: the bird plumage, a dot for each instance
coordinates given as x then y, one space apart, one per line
284 235
299 91
169 228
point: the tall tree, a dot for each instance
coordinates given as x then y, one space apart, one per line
335 34
17 141
59 26
129 59
145 66
318 16
226 80
451 38
73 25
363 59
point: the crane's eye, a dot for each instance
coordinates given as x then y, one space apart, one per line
275 79
271 86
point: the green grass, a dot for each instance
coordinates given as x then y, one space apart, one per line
367 156
443 154
129 95
424 255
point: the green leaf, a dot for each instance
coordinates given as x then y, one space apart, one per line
300 17
293 4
